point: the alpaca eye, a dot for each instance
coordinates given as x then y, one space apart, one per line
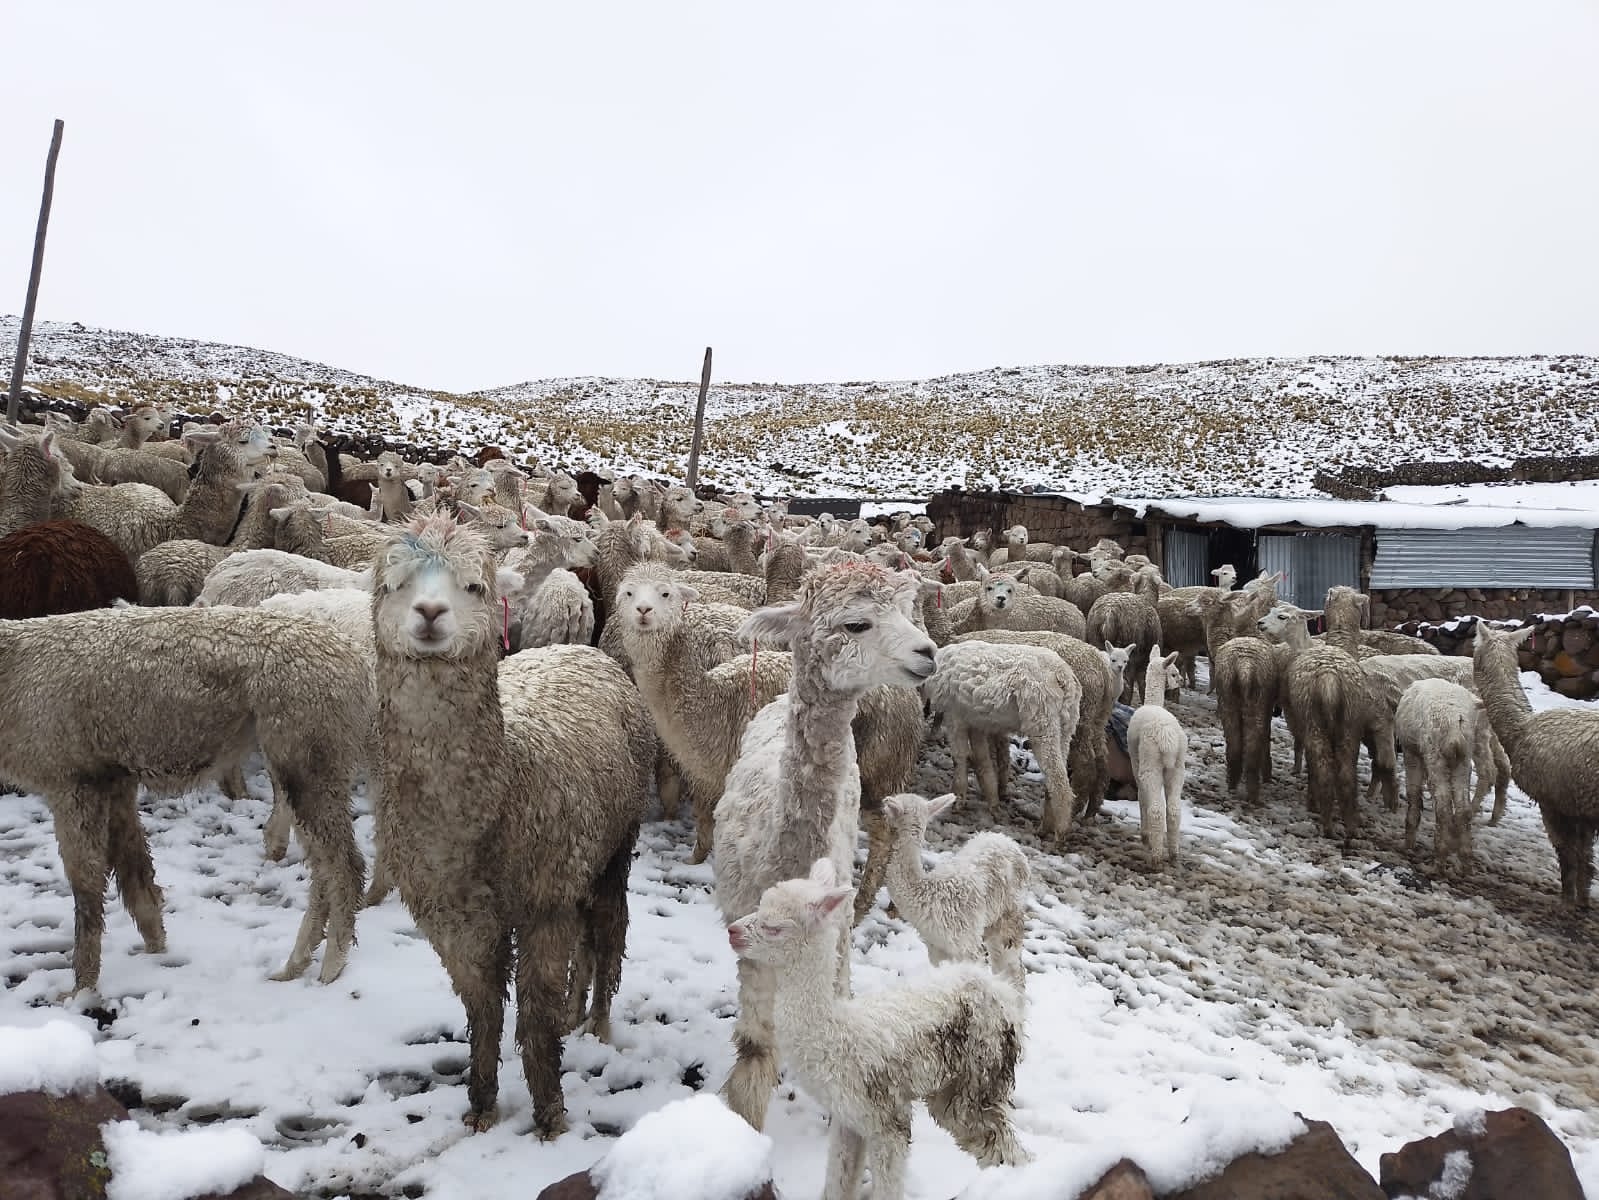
477 589
857 626
772 930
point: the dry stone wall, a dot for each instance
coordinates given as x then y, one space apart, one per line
1564 650
1396 607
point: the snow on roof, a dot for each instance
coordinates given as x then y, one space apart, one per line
1253 512
1580 495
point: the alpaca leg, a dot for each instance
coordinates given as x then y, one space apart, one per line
580 976
1003 941
1562 833
879 848
608 936
83 821
976 1113
1059 803
544 948
1501 781
987 773
1232 730
382 880
1151 810
887 1147
999 754
322 811
1087 770
135 872
1348 776
477 956
668 785
1263 751
280 821
704 807
748 1089
960 753
1175 775
1415 770
846 1155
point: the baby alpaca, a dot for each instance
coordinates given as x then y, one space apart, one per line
952 1039
1442 728
1157 746
970 902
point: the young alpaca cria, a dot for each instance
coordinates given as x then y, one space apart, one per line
984 688
1443 729
1158 748
512 795
970 902
794 794
951 1039
1554 757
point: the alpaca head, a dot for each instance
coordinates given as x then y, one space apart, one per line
680 506
908 814
1281 618
791 914
684 541
144 423
1497 647
1225 577
563 493
476 486
646 541
1016 535
435 592
560 538
1162 674
391 467
650 599
744 505
499 526
253 444
1117 658
1346 607
999 592
856 620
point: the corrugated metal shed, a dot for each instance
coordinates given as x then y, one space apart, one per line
1311 563
1187 553
1508 557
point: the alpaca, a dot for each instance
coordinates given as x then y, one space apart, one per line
1443 730
970 902
1125 618
952 1039
58 567
76 726
794 793
984 688
1245 674
512 796
1157 747
1552 757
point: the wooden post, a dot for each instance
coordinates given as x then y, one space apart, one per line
26 331
699 424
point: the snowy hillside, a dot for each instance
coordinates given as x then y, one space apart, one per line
1239 426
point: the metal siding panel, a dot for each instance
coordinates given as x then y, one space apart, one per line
1311 563
1186 553
1507 557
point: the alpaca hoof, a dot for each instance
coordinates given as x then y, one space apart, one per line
291 970
700 854
374 897
551 1125
600 1027
481 1120
275 850
333 963
156 944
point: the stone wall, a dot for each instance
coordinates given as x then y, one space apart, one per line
1396 607
1363 483
1047 518
1564 651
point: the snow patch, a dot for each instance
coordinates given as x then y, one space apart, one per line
1451 1185
177 1166
694 1147
1471 1122
56 1057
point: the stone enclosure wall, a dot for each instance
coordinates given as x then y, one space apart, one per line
1389 608
1564 651
1047 518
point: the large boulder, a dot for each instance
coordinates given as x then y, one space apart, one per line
1315 1166
51 1149
1503 1154
581 1186
1124 1181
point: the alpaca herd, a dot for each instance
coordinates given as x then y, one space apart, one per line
519 675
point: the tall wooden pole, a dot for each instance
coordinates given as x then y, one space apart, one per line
26 332
699 424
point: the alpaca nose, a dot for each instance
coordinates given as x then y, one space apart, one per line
737 938
644 610
430 612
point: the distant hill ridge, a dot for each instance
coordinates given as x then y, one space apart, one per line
1224 427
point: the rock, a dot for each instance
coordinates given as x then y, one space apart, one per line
50 1149
1576 689
1575 639
581 1187
1315 1166
1514 1154
1124 1181
1568 667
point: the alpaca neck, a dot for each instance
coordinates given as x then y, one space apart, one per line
1297 637
425 701
1509 712
818 766
1154 689
935 617
905 871
211 508
807 994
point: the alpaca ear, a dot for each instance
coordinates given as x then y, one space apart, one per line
828 903
1172 657
508 581
823 872
775 626
280 514
1520 636
893 806
689 592
470 510
1108 647
940 806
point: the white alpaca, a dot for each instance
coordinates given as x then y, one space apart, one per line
1443 730
1157 748
970 902
794 793
952 1040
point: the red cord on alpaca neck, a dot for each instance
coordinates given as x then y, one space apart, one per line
505 628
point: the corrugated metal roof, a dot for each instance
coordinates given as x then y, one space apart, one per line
1485 558
1310 563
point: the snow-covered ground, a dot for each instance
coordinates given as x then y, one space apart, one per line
1173 1016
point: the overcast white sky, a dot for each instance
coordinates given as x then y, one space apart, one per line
464 195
